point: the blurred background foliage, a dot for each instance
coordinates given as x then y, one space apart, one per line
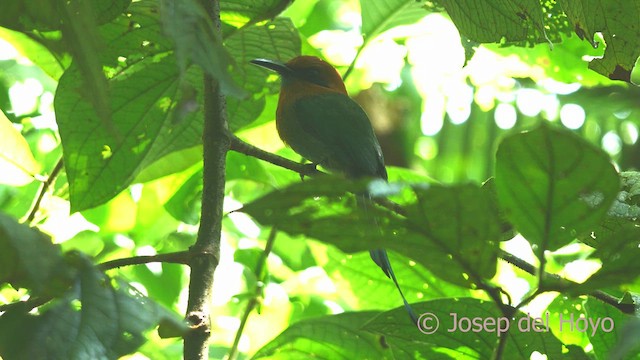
438 107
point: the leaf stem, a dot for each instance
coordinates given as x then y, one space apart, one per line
43 190
233 352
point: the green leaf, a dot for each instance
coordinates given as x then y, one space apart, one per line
18 167
28 259
329 337
44 15
553 185
511 21
450 230
380 16
100 162
613 334
96 319
45 58
239 13
196 41
184 205
619 253
463 227
362 285
617 21
438 338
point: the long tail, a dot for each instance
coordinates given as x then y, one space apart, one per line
379 256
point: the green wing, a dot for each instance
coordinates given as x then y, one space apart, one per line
344 134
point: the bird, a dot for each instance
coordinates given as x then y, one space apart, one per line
318 120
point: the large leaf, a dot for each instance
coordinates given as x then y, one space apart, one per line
511 21
156 110
463 329
390 336
453 231
96 319
102 161
380 16
28 259
332 337
196 41
613 334
553 185
617 21
17 164
46 15
619 251
242 12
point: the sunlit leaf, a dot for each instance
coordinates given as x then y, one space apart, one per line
617 21
553 185
332 337
613 334
96 319
380 16
28 258
17 164
453 231
445 331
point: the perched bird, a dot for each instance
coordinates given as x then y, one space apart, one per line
318 119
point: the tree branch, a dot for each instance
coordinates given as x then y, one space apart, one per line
243 147
600 295
180 257
205 253
43 190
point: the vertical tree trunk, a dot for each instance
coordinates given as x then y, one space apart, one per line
206 250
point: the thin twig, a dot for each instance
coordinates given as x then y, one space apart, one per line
44 189
243 147
598 294
233 352
180 257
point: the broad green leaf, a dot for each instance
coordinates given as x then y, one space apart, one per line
553 185
28 259
52 64
511 21
453 231
170 164
613 334
363 286
97 319
463 328
184 205
619 251
44 15
329 337
80 35
617 21
18 167
380 16
277 40
463 228
196 41
239 13
100 162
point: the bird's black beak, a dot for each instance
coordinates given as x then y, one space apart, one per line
277 66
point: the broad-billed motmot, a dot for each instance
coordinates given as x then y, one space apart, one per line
318 119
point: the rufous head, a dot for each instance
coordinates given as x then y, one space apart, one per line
309 69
